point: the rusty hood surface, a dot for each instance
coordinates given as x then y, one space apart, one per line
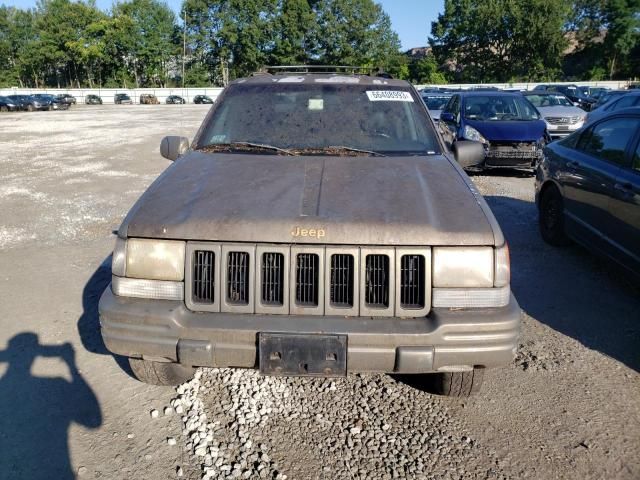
301 199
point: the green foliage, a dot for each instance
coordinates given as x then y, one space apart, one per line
425 71
608 34
497 40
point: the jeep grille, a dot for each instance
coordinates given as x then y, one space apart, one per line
376 288
412 281
203 278
272 285
238 278
341 282
308 279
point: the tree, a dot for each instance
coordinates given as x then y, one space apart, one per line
501 40
426 71
607 32
153 45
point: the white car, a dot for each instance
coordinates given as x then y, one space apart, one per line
560 115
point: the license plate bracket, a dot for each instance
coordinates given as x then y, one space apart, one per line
292 354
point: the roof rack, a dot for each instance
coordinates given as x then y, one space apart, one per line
293 69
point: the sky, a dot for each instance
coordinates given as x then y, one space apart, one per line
410 18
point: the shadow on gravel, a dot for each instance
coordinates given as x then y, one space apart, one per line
89 322
38 411
570 289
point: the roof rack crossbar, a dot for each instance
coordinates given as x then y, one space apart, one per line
288 69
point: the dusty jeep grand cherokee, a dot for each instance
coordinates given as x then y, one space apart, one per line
315 226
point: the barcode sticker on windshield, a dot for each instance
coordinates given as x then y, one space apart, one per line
389 96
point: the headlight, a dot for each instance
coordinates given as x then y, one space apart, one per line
470 133
471 277
155 259
463 267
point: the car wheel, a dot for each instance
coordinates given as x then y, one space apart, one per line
4 109
458 384
29 108
158 373
551 218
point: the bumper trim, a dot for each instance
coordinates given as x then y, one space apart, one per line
485 337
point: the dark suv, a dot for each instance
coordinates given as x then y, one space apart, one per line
122 98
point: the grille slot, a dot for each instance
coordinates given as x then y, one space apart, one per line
238 278
307 271
341 280
412 273
376 286
203 286
272 279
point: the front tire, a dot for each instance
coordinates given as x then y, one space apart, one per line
158 373
551 218
458 384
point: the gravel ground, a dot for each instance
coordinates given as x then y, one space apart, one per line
568 407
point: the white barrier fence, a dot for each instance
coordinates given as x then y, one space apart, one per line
108 94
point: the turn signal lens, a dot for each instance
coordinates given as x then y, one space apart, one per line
503 267
119 258
154 289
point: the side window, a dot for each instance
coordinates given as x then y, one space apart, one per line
609 139
635 165
624 102
449 106
456 109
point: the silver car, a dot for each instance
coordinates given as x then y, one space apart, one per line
559 113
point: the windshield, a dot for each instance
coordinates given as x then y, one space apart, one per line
310 118
549 100
436 102
499 108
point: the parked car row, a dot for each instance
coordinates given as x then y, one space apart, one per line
41 101
30 103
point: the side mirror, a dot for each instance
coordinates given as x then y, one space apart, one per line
468 153
447 117
173 146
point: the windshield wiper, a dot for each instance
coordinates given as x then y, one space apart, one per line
243 146
332 148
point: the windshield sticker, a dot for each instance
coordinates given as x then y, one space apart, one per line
389 96
316 104
219 139
291 80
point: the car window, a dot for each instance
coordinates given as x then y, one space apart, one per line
636 159
499 108
549 100
306 116
436 102
608 140
625 101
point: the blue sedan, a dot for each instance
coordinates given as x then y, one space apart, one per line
510 128
588 188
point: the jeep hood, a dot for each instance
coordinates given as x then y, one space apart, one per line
509 131
354 200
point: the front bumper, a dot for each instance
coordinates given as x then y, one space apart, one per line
445 340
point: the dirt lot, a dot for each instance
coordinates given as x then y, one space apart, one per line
569 406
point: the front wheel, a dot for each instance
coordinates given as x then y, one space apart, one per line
551 218
458 384
158 373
